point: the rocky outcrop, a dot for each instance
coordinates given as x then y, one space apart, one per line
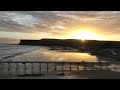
52 42
74 43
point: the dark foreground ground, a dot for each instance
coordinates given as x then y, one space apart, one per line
91 74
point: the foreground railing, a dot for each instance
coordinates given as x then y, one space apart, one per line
40 67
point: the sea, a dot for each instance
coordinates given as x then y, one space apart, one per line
14 52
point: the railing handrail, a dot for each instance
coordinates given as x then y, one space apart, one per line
59 62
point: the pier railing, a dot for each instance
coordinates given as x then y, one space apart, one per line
40 67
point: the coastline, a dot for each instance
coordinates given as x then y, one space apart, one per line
68 49
68 74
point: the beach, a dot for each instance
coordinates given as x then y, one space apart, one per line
40 53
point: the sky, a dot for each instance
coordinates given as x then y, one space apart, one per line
98 25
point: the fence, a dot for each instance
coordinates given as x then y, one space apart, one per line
41 67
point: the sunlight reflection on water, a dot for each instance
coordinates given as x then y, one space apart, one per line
44 54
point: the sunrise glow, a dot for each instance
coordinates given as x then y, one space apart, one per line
84 25
86 34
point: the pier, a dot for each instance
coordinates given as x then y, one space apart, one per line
32 68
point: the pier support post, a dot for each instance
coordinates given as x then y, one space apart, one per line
70 66
0 66
55 67
32 68
108 68
62 68
24 68
115 67
17 68
9 67
77 66
40 68
85 66
101 66
3 66
47 67
93 66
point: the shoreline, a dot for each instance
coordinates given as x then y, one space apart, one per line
68 74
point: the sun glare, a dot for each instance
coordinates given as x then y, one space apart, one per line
85 35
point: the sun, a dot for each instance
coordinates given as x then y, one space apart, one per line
85 35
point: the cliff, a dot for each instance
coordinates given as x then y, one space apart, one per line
54 42
74 43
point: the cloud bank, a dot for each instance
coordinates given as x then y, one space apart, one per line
58 22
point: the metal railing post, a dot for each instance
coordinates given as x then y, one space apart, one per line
40 68
47 67
70 66
77 67
101 65
32 68
55 67
24 68
62 68
17 68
